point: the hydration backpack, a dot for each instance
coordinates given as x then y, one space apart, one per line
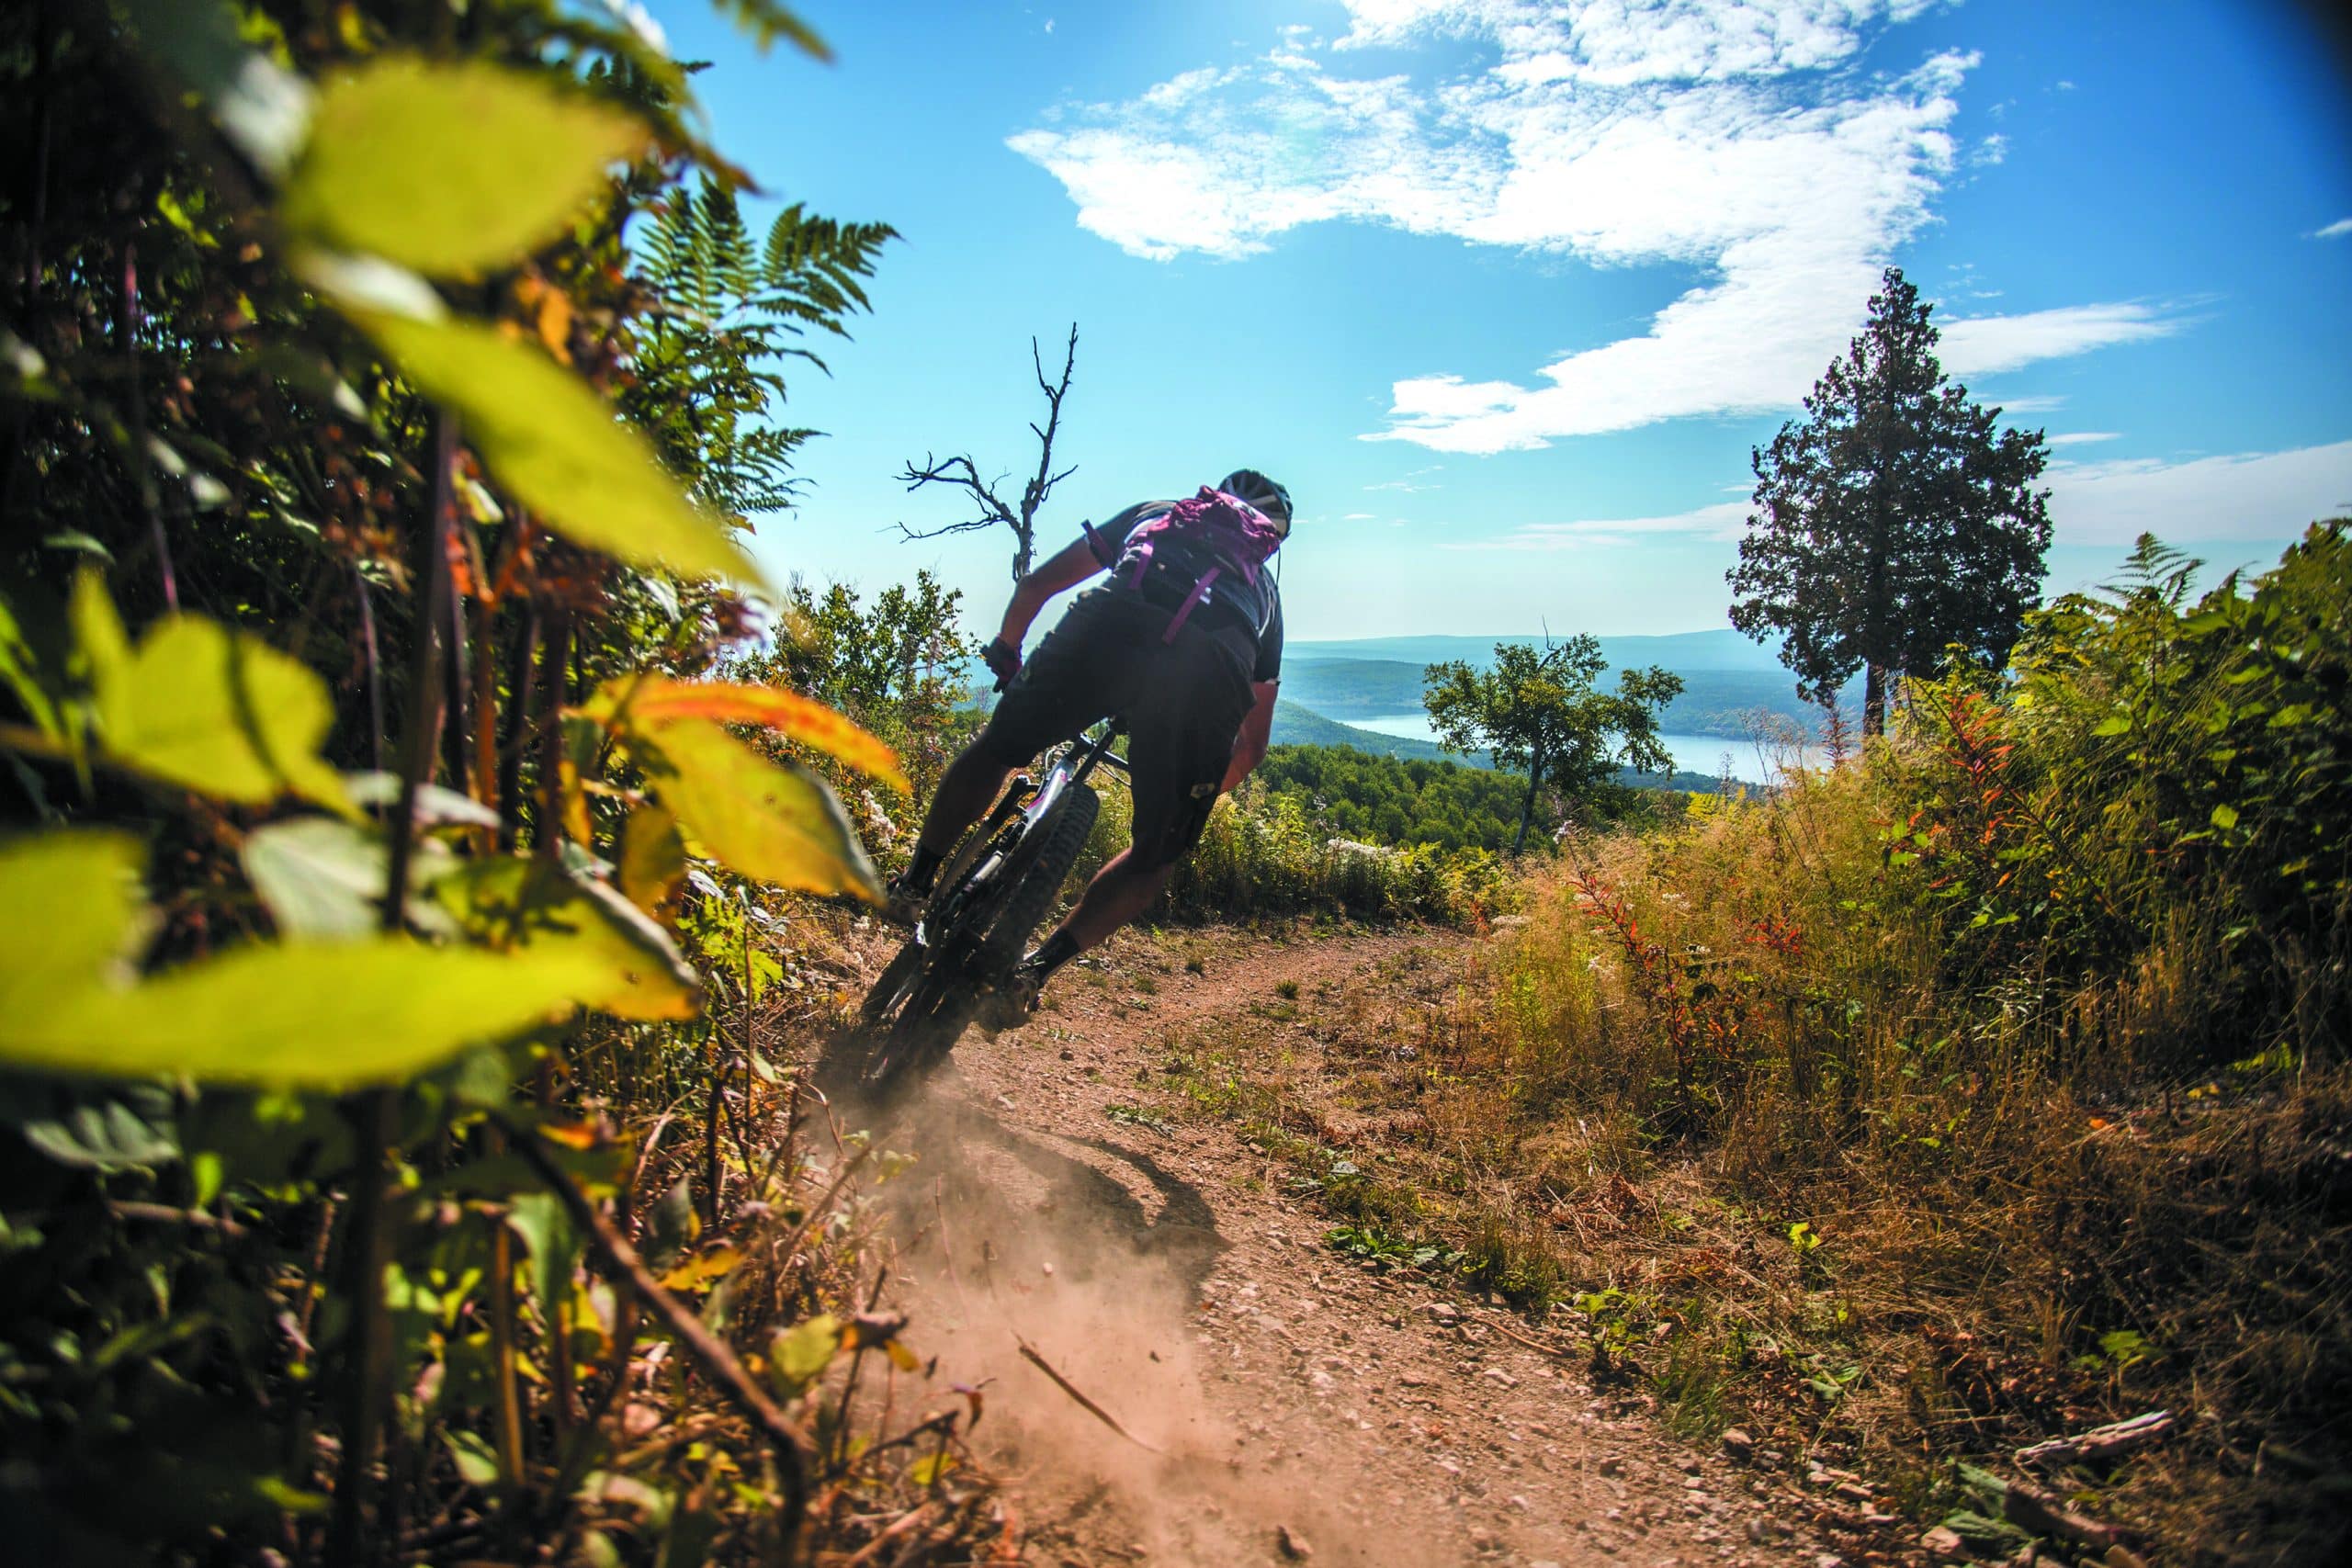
1213 535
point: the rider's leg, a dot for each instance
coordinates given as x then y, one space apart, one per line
970 782
1120 892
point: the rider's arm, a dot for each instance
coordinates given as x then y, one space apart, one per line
1249 745
1068 567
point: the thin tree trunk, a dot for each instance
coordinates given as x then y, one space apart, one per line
1527 808
1874 698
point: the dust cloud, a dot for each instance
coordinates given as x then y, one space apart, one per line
1094 1255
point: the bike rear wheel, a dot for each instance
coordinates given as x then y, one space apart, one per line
1041 865
927 995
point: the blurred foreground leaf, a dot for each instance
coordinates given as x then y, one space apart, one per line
450 168
327 1017
553 442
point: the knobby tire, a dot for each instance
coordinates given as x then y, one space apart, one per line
933 1006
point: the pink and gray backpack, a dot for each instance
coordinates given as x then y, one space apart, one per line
1214 535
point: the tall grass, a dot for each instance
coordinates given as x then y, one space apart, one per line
1990 1086
1262 857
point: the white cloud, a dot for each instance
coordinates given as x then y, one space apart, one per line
2335 231
1723 520
2082 437
1981 346
1359 517
2251 496
639 20
1728 136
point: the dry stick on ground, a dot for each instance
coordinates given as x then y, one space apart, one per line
1029 1353
2099 1442
961 473
793 1448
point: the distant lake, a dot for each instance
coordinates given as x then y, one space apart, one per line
1695 754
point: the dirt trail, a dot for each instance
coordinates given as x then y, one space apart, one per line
1292 1403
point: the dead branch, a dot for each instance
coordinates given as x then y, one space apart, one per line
1029 1353
2099 1443
793 1446
2037 1512
959 472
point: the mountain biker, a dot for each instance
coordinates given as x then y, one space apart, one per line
1190 661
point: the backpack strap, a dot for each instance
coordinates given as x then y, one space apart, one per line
1199 591
1098 544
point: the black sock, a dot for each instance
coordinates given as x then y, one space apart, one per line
1058 950
921 870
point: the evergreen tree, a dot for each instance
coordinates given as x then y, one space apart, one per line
1893 521
1539 710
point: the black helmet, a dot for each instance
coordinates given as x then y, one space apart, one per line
1249 485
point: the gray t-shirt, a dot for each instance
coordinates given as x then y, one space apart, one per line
1260 641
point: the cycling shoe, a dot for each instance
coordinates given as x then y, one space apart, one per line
1014 1003
901 905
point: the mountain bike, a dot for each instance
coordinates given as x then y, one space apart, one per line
992 892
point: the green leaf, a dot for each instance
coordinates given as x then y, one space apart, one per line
435 807
772 824
332 1018
530 907
450 168
302 1017
2114 724
69 912
541 1220
20 670
803 1351
209 709
130 1129
477 1464
324 879
552 442
2225 816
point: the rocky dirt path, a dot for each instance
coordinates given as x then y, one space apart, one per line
1283 1402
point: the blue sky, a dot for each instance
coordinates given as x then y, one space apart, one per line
1505 292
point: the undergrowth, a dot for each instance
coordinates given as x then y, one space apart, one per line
1982 1090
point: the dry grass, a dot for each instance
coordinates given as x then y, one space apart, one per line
1724 1104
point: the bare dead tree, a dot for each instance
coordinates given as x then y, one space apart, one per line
961 473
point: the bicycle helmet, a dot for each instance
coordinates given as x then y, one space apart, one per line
1262 492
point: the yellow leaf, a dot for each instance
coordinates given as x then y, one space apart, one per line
772 824
703 1268
653 701
653 858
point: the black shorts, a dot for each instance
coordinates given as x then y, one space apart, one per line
1183 703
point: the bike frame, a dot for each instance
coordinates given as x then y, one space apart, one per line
1070 766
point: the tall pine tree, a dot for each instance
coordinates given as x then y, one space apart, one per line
1893 519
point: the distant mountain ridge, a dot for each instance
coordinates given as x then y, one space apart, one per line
1715 701
1298 726
1719 648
